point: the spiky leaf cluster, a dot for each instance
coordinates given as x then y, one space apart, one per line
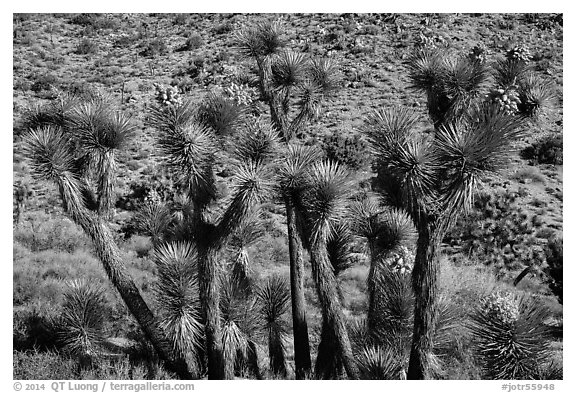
220 113
78 150
325 197
240 322
177 296
82 320
437 175
288 80
274 299
451 84
260 40
509 336
378 363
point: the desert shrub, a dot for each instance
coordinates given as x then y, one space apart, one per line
548 150
193 42
86 47
141 190
497 232
44 232
180 19
223 28
554 267
35 364
44 82
509 336
349 150
35 328
84 19
154 48
125 41
94 22
193 68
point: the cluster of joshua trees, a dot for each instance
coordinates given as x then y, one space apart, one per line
424 178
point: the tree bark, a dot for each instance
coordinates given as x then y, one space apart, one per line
210 300
109 255
331 307
425 286
328 362
106 176
302 360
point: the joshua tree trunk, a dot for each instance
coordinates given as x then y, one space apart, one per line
301 344
276 353
425 286
106 171
109 255
210 300
330 301
328 362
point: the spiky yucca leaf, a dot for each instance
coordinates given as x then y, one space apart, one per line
190 151
177 296
339 248
296 161
510 72
536 96
49 153
360 335
82 319
362 217
414 166
154 219
394 228
325 196
462 82
509 336
221 114
260 40
374 362
252 184
172 117
325 73
247 233
392 316
97 127
288 69
389 124
425 69
55 114
234 345
258 142
309 102
274 299
240 323
470 151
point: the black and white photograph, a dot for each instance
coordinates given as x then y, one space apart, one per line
287 196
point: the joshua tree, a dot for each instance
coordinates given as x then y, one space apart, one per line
73 157
433 176
385 230
328 361
323 203
178 302
273 296
294 88
191 145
